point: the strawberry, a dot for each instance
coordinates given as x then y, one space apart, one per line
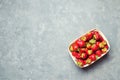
89 35
83 38
88 61
106 46
97 57
83 55
84 62
89 52
88 45
74 54
80 63
92 57
101 38
95 47
93 32
74 47
97 43
98 52
101 45
104 49
104 42
82 50
80 43
92 41
78 56
96 35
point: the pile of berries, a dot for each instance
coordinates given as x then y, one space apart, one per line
88 48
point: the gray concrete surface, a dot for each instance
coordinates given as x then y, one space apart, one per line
35 34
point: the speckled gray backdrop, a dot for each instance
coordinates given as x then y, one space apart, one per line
35 34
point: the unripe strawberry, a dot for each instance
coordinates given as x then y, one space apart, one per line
88 61
83 38
89 52
104 50
92 41
88 45
97 57
104 42
101 45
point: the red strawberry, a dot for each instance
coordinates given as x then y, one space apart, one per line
97 43
89 35
88 61
80 43
96 35
75 54
106 46
80 63
98 52
83 38
92 57
101 38
89 52
95 47
82 50
93 32
74 47
84 62
78 56
83 55
96 32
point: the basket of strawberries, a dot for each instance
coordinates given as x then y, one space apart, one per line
88 48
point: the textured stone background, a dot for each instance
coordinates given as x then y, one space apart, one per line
35 34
